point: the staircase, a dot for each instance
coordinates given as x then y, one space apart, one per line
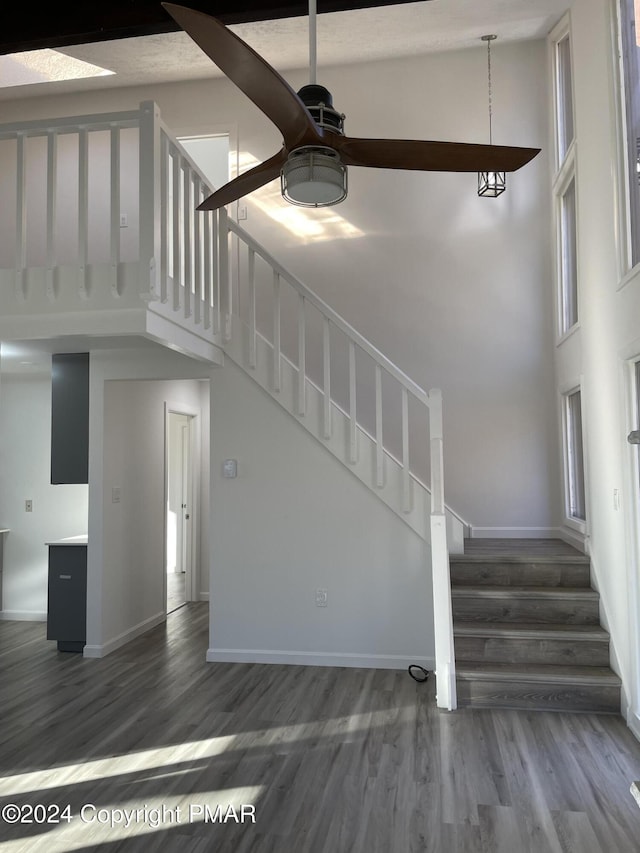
526 629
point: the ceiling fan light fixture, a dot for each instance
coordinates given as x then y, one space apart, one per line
491 184
314 176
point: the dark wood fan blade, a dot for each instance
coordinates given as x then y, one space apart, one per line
431 156
251 73
245 183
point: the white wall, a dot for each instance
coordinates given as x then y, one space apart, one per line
609 334
126 539
58 511
454 289
295 520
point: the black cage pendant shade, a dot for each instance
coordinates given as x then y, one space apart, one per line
491 184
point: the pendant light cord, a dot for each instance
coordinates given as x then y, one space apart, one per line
489 84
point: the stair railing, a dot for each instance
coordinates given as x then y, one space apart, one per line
330 320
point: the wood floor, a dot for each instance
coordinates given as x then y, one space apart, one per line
334 760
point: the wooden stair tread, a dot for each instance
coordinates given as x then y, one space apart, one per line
539 673
555 592
578 559
533 630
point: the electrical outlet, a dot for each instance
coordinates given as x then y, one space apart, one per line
115 495
124 220
322 596
28 506
242 212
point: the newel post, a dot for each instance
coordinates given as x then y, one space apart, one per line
150 201
442 611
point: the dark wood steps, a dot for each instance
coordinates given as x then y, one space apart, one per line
527 632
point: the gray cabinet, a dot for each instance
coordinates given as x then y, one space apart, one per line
70 418
67 607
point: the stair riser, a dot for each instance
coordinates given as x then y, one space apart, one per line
519 574
530 650
569 612
539 696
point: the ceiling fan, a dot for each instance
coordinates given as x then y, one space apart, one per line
315 153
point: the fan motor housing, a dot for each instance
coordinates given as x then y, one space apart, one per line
319 101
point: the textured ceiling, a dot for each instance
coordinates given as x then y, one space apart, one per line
343 37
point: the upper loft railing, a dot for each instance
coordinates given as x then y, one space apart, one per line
99 214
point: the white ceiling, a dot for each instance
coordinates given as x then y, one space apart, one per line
343 37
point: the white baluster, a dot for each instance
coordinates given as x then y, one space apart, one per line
52 163
326 353
226 292
277 368
83 210
406 480
21 219
353 424
178 276
207 272
115 208
252 307
302 368
197 259
215 271
164 218
379 445
187 237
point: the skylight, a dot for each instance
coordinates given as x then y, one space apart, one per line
44 66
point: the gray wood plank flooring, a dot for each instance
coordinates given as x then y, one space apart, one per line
334 760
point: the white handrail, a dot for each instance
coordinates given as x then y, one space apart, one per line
340 323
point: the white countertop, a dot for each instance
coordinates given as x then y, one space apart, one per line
70 540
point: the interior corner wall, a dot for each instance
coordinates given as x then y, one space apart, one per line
125 575
608 336
58 510
293 521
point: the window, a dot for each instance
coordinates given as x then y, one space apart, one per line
564 184
568 258
631 86
576 504
564 98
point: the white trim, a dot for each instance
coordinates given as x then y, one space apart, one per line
573 537
633 721
203 596
568 334
557 34
514 532
318 658
22 616
124 638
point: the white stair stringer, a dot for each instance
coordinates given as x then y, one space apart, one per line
391 492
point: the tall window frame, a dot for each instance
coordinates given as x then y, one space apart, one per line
564 184
574 462
628 72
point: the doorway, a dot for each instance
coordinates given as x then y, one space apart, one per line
180 509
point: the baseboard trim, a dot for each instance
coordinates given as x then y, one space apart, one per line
124 638
318 659
633 721
203 596
23 616
514 532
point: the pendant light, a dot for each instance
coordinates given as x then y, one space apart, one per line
491 184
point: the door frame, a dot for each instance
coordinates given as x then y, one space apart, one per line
191 571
